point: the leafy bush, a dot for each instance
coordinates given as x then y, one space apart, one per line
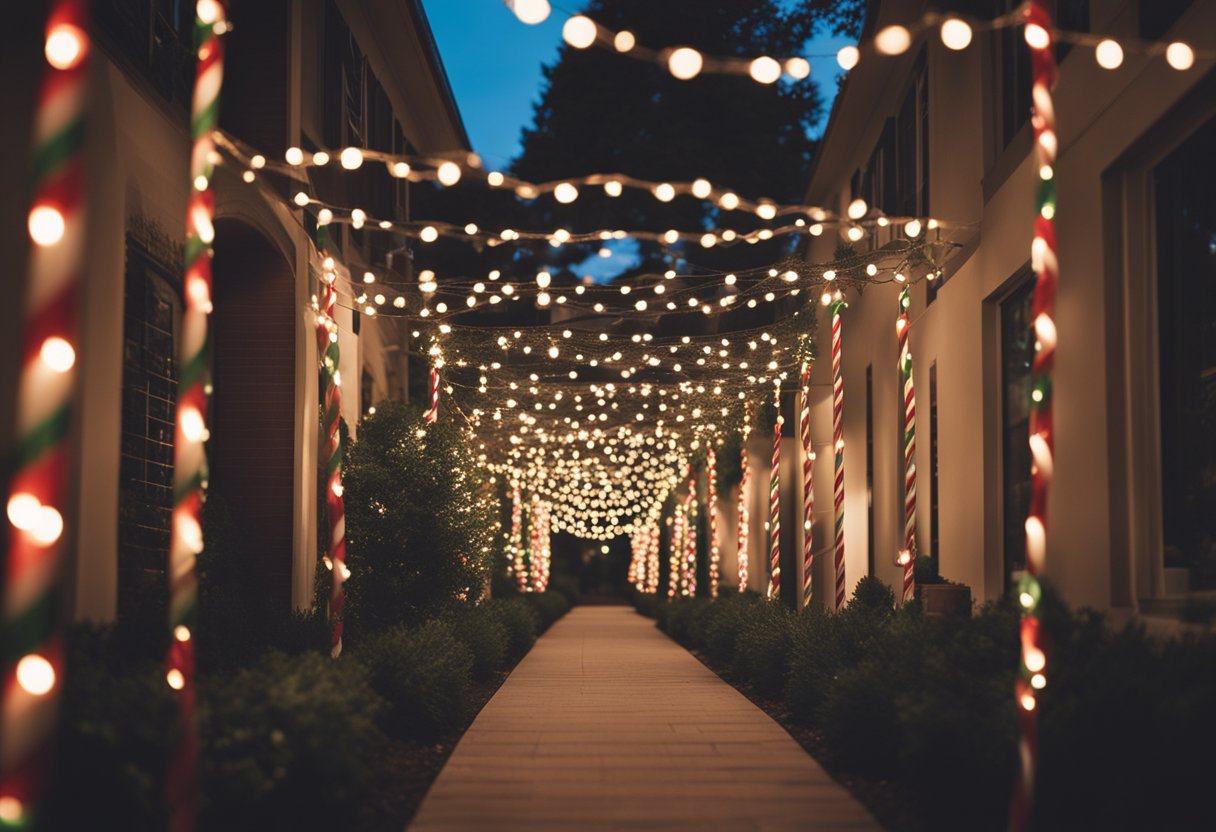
118 724
286 743
419 526
424 674
550 606
722 623
762 646
677 618
568 587
480 630
520 620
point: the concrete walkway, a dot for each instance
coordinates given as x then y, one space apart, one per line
607 724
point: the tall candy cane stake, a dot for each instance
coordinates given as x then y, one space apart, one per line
690 540
432 415
838 445
744 515
907 555
194 389
711 508
518 565
1032 671
774 505
40 522
331 437
808 492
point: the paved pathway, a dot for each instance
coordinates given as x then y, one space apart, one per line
609 725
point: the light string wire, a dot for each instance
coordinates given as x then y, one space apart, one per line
39 511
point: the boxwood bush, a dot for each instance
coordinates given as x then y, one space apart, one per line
762 646
484 634
521 621
550 606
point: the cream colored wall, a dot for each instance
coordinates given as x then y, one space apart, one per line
1100 114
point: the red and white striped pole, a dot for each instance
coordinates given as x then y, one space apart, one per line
907 555
1033 666
711 508
41 525
774 504
432 415
838 446
744 515
808 492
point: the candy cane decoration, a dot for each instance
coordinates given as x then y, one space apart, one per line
711 508
331 438
744 515
838 445
690 540
433 414
808 493
676 551
774 505
652 558
39 497
907 555
518 566
194 388
1032 671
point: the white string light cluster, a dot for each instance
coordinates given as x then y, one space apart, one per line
956 33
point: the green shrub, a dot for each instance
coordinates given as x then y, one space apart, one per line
873 595
568 587
646 604
722 624
550 606
286 743
424 674
677 618
480 630
419 527
762 647
118 723
520 620
861 720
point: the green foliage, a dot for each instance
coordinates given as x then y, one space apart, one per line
521 621
286 743
723 623
762 646
118 724
419 526
549 606
873 595
478 629
568 587
677 619
424 674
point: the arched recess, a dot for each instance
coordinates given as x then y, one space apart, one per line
252 447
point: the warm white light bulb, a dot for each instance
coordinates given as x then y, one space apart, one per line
448 174
798 68
685 63
766 210
47 225
294 156
530 12
613 187
857 209
320 158
664 192
764 70
956 33
912 228
565 193
543 279
728 201
579 31
65 46
35 674
1109 54
847 57
1180 56
57 354
624 41
701 188
893 40
1036 36
428 234
351 158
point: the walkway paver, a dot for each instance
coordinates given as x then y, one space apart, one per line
607 724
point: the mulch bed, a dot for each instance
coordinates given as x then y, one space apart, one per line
887 801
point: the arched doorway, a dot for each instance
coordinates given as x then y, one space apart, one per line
252 447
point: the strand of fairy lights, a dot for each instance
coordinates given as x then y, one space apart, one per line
907 555
1033 658
743 514
38 503
956 33
711 510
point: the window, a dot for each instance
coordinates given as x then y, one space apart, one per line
934 535
155 38
896 177
870 468
1186 308
1017 353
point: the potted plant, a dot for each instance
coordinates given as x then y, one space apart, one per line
938 596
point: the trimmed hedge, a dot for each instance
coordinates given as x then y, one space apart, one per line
521 621
550 606
480 630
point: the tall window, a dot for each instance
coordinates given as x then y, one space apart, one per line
870 468
1186 303
1017 352
934 536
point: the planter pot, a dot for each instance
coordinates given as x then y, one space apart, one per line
946 599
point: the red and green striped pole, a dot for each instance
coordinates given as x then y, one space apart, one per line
774 504
838 446
907 555
38 507
1033 665
808 492
194 389
744 514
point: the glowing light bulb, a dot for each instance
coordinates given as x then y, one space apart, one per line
613 187
543 279
624 41
1109 54
579 31
35 674
1180 56
565 193
320 158
664 192
351 158
798 68
956 33
728 201
175 679
294 156
857 209
701 188
847 57
46 225
708 240
65 46
893 40
448 174
1036 36
764 70
428 234
855 233
766 210
530 12
57 354
912 228
685 63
